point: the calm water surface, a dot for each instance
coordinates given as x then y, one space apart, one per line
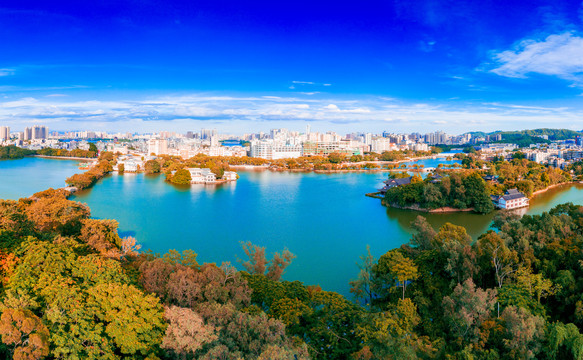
24 177
324 219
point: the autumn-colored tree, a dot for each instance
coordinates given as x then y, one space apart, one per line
154 276
25 334
278 264
336 158
525 333
129 247
259 264
186 332
57 214
101 235
8 263
80 181
242 335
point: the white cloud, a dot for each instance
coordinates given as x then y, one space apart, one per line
304 82
6 72
260 113
557 55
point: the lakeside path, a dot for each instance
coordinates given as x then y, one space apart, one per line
64 157
348 164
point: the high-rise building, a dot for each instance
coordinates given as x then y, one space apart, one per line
158 146
4 133
27 134
437 137
207 133
36 132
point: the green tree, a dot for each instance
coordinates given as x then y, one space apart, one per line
363 286
181 177
93 148
152 167
467 308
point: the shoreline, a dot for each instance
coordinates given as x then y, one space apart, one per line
63 157
542 191
441 210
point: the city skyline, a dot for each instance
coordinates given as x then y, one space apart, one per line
247 67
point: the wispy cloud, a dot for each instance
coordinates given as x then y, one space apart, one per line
259 113
558 55
297 83
6 72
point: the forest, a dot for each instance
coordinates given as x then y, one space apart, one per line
464 189
13 152
72 288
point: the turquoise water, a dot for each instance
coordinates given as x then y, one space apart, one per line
24 177
324 219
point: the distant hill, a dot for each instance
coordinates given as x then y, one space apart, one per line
524 138
553 134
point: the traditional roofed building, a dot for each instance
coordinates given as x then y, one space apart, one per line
512 199
391 183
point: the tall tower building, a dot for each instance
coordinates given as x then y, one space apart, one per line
158 146
4 133
207 133
27 133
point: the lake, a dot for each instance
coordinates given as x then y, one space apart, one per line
324 219
24 177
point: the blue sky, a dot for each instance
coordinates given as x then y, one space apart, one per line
250 66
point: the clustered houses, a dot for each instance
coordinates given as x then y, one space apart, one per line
512 199
132 163
206 176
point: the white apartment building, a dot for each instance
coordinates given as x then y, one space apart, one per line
419 147
272 151
381 145
158 146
